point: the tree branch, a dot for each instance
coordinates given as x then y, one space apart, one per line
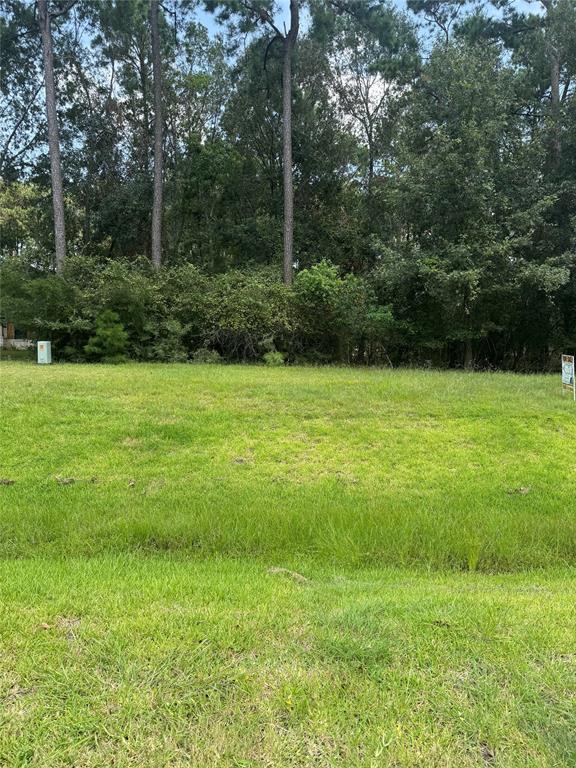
269 46
70 4
18 124
263 15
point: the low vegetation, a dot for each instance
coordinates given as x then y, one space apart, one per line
155 661
271 566
466 471
101 311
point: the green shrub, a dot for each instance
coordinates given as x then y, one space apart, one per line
247 313
108 345
162 341
207 356
273 358
167 314
9 353
168 346
45 304
339 317
131 291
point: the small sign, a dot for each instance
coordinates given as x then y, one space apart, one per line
44 353
568 382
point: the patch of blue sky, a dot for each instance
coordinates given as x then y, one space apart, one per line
282 13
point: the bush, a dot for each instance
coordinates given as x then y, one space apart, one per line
165 315
162 342
130 290
42 303
206 356
339 316
273 358
247 313
9 353
108 345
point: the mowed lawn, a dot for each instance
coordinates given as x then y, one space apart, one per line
249 567
472 471
159 661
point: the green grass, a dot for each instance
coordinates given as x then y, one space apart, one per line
141 624
354 467
157 661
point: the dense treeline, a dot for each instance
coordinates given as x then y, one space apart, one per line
345 181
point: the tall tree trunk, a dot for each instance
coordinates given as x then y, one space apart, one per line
158 155
53 135
370 207
289 42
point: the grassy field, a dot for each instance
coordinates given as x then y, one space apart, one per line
355 467
158 661
147 618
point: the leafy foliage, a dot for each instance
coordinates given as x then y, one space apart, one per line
434 182
108 344
273 359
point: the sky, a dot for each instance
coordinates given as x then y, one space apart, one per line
208 19
283 15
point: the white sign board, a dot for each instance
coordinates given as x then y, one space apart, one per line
568 382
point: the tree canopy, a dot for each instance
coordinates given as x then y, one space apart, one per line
413 168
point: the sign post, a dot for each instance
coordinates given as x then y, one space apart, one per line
568 382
